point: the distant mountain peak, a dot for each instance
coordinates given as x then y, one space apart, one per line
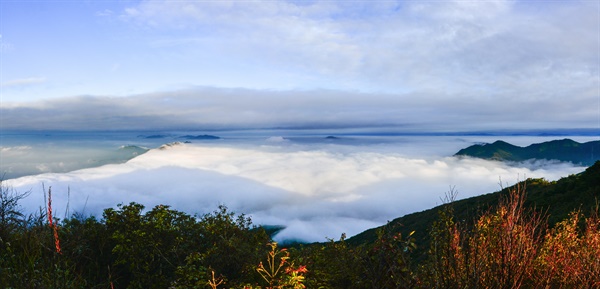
566 150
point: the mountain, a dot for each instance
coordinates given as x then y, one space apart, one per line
200 137
556 199
565 150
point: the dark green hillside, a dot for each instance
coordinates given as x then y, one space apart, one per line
200 137
557 198
565 150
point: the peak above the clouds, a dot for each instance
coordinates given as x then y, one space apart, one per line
565 150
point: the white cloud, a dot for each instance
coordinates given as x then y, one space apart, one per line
23 82
105 13
316 191
421 45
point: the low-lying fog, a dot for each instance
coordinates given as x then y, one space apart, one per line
317 189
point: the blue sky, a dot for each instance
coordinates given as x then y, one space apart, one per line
430 65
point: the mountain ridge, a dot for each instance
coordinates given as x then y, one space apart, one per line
565 150
556 199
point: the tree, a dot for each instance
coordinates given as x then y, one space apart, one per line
149 247
231 245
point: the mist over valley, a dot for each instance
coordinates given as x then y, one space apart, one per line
315 185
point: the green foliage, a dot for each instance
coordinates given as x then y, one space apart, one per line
333 265
149 246
230 245
28 258
85 241
387 264
191 275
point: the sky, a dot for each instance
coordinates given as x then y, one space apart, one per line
412 65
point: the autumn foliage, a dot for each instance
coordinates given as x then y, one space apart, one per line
511 247
570 255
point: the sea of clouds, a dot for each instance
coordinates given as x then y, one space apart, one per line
317 190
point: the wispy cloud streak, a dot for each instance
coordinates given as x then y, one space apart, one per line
23 82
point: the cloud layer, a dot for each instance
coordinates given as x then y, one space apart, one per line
315 191
213 108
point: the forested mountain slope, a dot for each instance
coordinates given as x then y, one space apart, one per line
566 150
556 199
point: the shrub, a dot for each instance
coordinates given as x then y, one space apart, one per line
570 256
498 251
